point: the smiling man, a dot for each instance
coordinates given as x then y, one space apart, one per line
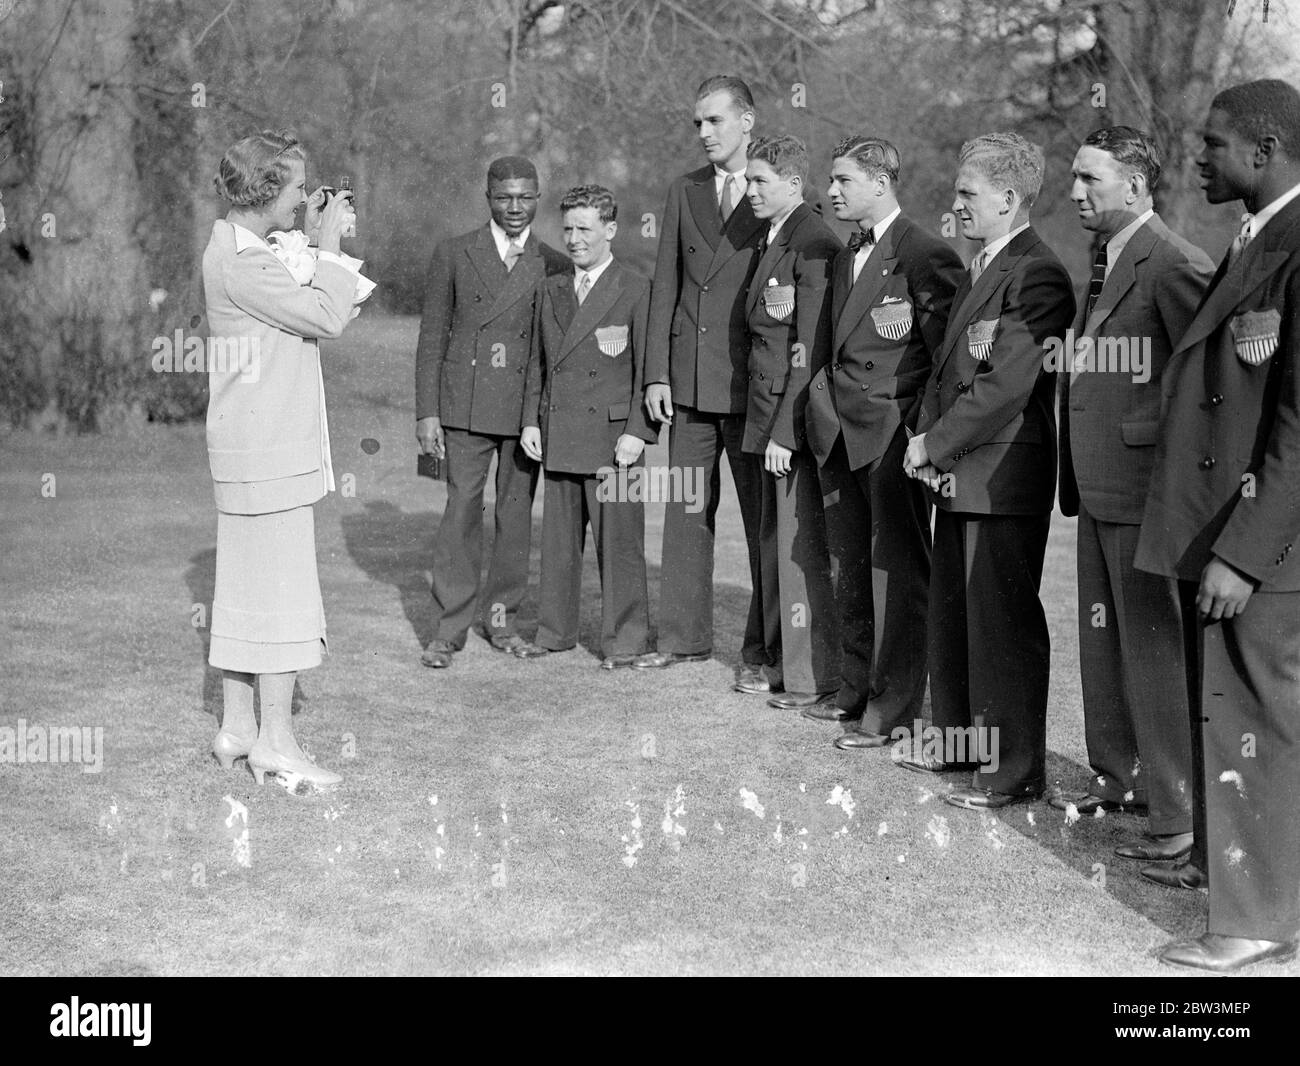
1223 515
986 445
1145 286
788 312
697 375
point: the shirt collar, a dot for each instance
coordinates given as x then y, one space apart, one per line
594 273
720 175
1262 216
774 227
1116 244
993 247
503 241
878 230
246 238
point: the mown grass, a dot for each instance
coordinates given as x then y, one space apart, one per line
524 864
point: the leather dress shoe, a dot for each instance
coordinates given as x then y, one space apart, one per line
658 660
1183 874
438 654
526 649
828 712
797 701
752 680
1226 954
1088 805
921 761
1155 848
617 662
983 799
855 740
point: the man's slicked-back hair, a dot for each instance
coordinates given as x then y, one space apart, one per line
1264 108
874 155
727 83
255 169
1008 161
788 156
596 196
1133 149
510 168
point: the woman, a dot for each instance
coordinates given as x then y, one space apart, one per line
268 445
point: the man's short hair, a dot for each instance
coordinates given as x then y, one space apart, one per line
786 155
596 196
1131 148
727 83
511 168
1008 161
1266 108
874 155
255 169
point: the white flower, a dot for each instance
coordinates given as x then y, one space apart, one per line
294 251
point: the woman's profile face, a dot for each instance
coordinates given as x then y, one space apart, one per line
291 196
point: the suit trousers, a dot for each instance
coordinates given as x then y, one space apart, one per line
878 523
1135 705
696 442
989 644
458 547
618 531
797 591
1251 730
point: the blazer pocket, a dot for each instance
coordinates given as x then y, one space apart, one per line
1139 434
778 384
778 301
618 411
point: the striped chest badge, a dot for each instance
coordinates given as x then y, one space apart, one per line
1255 334
611 340
778 300
892 318
979 339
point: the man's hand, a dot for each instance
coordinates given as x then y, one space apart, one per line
776 460
1223 592
531 442
315 208
428 435
916 457
659 403
628 449
929 475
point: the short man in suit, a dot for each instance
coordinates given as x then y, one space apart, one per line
892 291
475 337
582 418
1145 287
787 310
986 444
1223 514
697 375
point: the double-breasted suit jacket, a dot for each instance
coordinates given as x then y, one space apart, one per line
887 327
584 392
1133 668
470 367
989 425
1225 485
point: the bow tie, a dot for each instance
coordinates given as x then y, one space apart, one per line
862 237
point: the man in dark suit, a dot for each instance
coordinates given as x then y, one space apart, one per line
697 375
1145 287
892 291
787 310
582 414
475 336
986 444
1223 514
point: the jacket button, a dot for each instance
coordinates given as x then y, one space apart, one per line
519 370
704 329
762 377
591 410
591 373
819 384
838 366
690 248
477 298
1207 463
871 365
704 288
552 407
523 334
864 388
962 386
1216 399
473 362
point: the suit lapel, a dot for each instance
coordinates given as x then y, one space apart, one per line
977 295
772 255
703 203
604 294
519 282
871 279
564 302
736 234
483 254
1123 276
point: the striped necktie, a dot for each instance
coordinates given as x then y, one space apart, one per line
1243 237
584 287
728 201
513 252
1098 279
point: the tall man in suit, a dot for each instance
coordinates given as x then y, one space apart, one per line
986 444
892 292
787 310
1223 514
697 375
475 336
1145 286
582 414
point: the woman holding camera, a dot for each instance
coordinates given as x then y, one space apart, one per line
268 444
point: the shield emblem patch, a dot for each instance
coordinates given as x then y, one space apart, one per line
893 319
778 301
1255 335
611 340
979 339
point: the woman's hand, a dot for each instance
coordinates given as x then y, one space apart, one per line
336 219
312 216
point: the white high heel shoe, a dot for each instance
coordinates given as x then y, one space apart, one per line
264 759
227 748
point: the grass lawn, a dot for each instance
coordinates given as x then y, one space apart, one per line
501 817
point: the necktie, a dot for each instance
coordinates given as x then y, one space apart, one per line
584 287
1243 237
728 201
513 252
976 267
1098 278
860 244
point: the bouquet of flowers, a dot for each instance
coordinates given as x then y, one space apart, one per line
294 250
